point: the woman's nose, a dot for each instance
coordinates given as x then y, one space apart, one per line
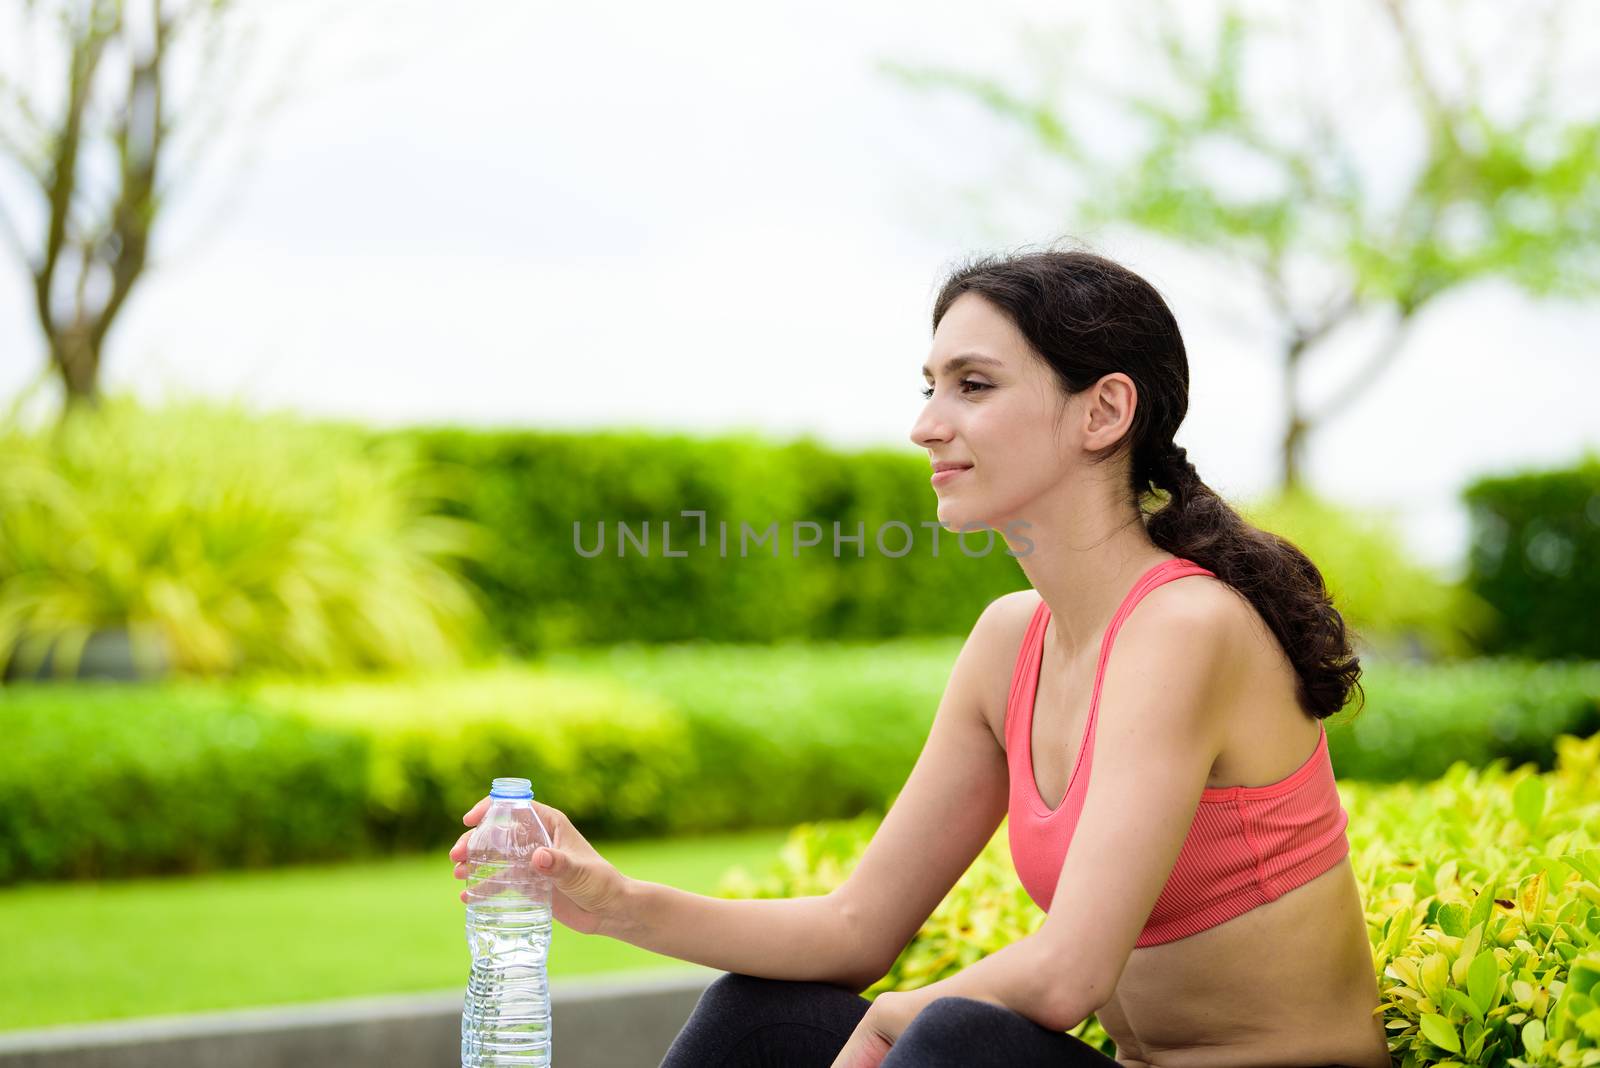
928 429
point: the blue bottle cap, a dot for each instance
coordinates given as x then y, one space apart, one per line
511 788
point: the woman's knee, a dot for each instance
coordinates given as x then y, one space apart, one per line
946 1033
947 1018
729 1007
733 992
752 999
745 1019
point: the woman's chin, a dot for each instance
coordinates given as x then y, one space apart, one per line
956 518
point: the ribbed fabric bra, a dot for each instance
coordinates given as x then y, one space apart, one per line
1247 845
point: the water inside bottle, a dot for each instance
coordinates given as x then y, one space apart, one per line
505 1019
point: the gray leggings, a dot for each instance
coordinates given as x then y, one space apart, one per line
744 1021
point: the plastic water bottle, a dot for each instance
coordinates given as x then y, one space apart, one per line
505 1016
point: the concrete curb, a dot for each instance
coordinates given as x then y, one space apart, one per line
614 1020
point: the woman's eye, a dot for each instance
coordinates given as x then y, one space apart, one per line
928 392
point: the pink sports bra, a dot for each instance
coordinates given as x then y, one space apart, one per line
1248 845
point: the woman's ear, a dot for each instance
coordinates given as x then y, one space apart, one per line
1108 410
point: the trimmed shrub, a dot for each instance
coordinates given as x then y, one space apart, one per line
1421 718
533 488
615 759
631 741
1535 557
109 780
790 731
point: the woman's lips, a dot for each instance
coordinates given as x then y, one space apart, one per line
941 477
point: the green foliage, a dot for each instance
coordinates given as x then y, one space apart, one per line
1421 718
617 760
1535 556
101 781
632 741
245 542
792 730
1481 892
1392 603
1511 194
531 488
275 544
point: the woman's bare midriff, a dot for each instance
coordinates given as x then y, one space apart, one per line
1288 983
1282 984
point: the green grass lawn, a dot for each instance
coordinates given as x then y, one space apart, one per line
99 951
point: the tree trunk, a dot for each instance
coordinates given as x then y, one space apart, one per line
1294 439
76 358
1297 429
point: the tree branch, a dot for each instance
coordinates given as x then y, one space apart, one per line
1442 114
80 311
28 160
1358 383
14 238
63 167
1335 311
139 137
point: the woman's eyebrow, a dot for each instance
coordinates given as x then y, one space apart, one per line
962 360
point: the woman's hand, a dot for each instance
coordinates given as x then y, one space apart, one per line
588 892
890 1013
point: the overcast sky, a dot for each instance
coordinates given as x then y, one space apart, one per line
711 216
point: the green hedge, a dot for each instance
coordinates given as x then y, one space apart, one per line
784 731
529 488
1535 556
631 741
315 546
620 756
1481 892
101 781
644 740
1421 718
634 742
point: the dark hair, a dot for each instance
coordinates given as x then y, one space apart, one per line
1086 317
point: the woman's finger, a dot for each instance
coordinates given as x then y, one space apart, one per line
475 813
459 850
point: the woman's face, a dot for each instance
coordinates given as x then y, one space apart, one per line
993 407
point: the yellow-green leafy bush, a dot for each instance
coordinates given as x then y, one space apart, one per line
244 542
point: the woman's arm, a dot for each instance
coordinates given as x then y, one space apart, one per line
803 938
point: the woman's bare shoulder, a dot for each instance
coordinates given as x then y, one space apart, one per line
998 637
1006 620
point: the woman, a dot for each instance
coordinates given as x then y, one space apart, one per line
1208 913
